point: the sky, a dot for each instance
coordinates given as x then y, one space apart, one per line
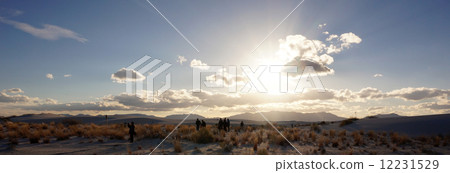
372 57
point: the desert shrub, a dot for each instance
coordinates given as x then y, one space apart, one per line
60 134
357 139
312 136
262 149
436 141
315 127
372 135
34 137
203 136
12 137
275 138
332 133
226 146
177 146
342 133
399 139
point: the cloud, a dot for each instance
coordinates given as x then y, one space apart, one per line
6 98
181 59
325 32
331 37
199 64
14 90
300 51
378 75
322 25
121 76
67 75
48 32
418 93
90 106
348 39
49 76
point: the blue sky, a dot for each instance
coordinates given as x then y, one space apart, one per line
405 41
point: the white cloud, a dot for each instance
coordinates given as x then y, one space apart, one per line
121 76
321 26
67 75
14 90
344 42
331 37
49 76
300 51
349 38
199 64
378 75
181 59
325 32
48 32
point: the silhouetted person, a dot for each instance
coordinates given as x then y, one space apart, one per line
242 126
225 124
220 126
203 123
228 125
198 123
131 131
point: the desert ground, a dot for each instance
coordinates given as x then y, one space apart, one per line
69 136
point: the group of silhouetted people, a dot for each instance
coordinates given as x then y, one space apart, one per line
199 124
224 124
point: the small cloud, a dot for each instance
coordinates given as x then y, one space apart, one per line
322 26
378 75
121 76
331 37
349 38
14 90
67 75
199 64
325 32
49 76
181 59
48 32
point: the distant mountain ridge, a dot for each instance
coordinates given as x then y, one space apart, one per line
182 116
391 115
289 116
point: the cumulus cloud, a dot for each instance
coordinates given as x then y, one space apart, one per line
325 32
199 64
67 75
121 76
181 59
48 32
49 76
300 51
348 39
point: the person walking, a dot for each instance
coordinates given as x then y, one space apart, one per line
131 131
198 123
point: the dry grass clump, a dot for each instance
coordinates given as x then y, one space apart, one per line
263 149
34 137
357 139
276 138
203 136
399 139
177 146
